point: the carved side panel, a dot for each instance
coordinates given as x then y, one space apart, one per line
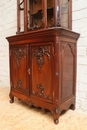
41 57
67 69
19 68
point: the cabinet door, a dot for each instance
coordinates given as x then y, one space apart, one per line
18 63
41 71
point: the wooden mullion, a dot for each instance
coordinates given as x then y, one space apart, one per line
70 14
18 17
25 16
44 3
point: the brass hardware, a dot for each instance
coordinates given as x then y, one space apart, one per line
28 71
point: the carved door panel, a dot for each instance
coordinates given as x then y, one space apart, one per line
19 74
41 71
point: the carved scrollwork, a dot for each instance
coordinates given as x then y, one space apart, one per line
20 8
19 53
19 85
39 53
41 92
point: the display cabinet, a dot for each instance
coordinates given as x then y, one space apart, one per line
43 55
41 14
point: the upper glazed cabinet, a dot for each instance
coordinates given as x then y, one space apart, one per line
42 14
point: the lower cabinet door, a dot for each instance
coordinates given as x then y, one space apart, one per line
18 63
41 71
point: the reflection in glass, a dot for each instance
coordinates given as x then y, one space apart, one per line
50 20
64 13
35 14
21 7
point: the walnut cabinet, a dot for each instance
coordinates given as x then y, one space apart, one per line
43 56
43 69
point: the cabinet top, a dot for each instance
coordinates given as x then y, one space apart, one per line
45 33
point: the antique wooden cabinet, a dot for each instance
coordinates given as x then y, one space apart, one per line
43 56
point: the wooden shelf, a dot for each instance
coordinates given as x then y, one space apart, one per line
36 13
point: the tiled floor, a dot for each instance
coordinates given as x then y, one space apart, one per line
19 116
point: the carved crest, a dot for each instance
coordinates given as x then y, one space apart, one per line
39 53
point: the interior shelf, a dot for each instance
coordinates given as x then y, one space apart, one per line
36 13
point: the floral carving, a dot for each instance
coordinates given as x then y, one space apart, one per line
39 53
19 85
41 92
19 53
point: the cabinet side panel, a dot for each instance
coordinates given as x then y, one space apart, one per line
67 70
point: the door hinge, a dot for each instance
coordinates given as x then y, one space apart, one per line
28 71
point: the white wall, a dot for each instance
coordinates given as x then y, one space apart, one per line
80 25
8 18
7 27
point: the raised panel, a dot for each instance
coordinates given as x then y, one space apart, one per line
67 70
19 68
41 75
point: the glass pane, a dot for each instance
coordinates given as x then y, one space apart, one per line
21 6
64 13
35 19
50 21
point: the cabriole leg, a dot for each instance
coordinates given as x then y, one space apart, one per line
56 116
11 98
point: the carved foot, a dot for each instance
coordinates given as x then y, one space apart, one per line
56 115
11 98
56 121
72 107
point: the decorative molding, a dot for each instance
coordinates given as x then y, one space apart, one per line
41 92
19 53
39 52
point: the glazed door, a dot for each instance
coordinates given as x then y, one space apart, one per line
19 63
41 71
